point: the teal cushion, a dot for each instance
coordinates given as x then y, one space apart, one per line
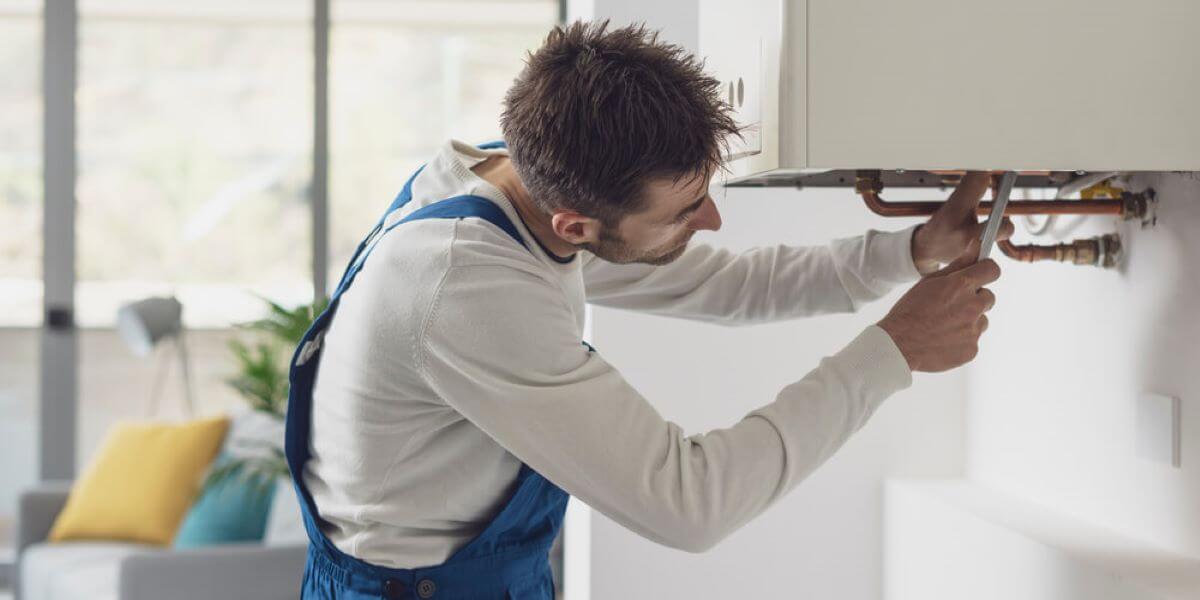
232 510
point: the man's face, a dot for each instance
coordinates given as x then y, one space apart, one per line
674 211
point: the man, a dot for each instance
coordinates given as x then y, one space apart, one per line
455 405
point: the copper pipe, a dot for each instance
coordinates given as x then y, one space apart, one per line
1103 251
1026 253
869 186
885 208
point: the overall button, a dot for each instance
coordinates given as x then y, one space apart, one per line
393 589
426 589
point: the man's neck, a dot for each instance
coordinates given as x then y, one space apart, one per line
499 171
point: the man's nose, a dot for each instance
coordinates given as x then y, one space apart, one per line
707 217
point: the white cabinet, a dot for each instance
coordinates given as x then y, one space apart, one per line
951 84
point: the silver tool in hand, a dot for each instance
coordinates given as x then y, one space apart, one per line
996 217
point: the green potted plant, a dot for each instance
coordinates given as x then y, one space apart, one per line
239 501
261 380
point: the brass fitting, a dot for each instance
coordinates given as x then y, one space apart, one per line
1102 251
867 181
1140 206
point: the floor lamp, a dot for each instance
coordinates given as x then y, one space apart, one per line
145 323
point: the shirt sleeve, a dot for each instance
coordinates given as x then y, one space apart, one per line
759 285
502 348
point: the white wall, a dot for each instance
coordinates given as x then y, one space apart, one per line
825 539
1053 395
1058 503
678 20
956 539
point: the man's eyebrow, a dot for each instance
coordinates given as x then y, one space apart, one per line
693 207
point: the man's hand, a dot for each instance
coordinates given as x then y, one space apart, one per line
954 226
937 324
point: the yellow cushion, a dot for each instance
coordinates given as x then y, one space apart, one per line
140 485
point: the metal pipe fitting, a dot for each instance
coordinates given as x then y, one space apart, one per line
1130 206
1102 251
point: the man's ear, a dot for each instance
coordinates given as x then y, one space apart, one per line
574 228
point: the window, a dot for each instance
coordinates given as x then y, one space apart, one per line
20 252
404 78
195 156
20 164
195 159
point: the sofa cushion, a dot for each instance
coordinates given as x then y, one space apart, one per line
233 509
141 483
71 570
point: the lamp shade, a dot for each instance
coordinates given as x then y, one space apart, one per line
143 323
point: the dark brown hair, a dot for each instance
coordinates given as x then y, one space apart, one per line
598 113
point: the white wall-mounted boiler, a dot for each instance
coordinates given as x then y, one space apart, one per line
1030 85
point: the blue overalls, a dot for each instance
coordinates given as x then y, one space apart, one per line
509 559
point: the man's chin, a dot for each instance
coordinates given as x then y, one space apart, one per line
621 255
667 258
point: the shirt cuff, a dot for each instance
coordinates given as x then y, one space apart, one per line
877 361
891 253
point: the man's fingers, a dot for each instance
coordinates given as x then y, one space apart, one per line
967 258
987 297
1005 232
1006 229
981 273
966 197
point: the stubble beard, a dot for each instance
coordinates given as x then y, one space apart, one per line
614 250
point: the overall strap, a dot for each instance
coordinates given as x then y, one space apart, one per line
458 207
461 207
402 199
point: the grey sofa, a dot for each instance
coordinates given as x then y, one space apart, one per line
124 571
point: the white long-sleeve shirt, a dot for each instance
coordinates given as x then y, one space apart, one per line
456 356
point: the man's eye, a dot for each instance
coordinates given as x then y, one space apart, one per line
684 217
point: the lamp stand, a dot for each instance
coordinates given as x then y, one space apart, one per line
189 399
